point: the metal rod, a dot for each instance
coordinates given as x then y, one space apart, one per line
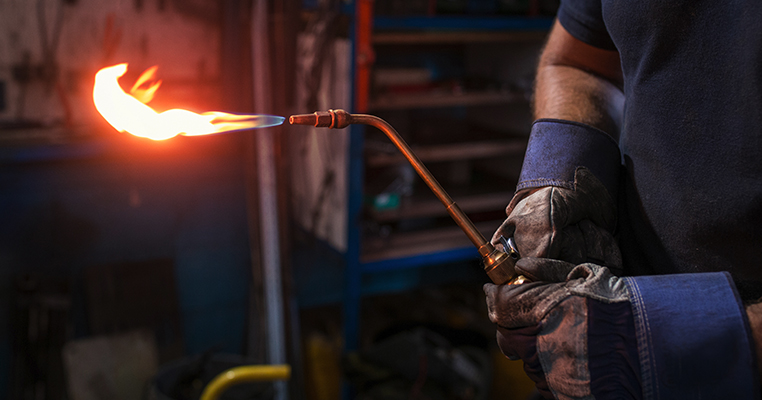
497 264
244 374
271 270
453 209
340 119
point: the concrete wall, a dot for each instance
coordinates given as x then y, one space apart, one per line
71 206
181 37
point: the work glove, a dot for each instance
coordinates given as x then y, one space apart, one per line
545 323
585 333
571 224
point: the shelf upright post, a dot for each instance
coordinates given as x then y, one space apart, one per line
363 56
360 70
361 31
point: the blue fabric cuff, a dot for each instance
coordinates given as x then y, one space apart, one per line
693 337
557 147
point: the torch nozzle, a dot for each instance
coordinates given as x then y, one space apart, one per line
302 119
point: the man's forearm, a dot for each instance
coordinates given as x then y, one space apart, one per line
578 82
569 93
754 314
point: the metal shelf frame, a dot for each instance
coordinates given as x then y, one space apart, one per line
361 34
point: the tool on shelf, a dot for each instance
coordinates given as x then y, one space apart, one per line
499 265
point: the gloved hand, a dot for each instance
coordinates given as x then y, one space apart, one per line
581 331
585 333
573 225
572 326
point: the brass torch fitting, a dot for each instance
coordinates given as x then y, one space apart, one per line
497 264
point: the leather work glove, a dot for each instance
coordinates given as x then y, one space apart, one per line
584 333
573 225
548 326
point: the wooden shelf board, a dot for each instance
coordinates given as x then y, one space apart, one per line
428 37
429 100
451 152
432 207
410 244
463 23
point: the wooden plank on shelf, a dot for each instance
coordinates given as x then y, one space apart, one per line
410 244
432 207
430 100
462 23
432 37
451 152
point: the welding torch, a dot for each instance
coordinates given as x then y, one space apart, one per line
499 265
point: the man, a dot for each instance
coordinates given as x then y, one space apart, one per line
648 141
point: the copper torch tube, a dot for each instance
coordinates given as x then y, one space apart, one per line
498 265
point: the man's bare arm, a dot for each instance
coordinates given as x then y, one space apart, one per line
754 314
579 82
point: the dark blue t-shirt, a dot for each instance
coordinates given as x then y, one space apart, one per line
691 199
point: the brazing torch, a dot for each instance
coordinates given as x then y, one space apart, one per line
499 265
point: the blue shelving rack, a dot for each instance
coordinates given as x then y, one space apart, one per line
360 278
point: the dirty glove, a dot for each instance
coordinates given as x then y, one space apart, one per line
573 225
584 333
569 175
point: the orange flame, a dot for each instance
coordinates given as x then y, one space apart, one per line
128 112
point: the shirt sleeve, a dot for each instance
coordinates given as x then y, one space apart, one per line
556 148
583 19
693 337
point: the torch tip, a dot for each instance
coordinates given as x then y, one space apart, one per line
302 119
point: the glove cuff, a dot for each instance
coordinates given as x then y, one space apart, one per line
557 147
693 337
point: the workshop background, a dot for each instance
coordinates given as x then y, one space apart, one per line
138 269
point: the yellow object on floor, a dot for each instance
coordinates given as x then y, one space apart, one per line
509 380
323 367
